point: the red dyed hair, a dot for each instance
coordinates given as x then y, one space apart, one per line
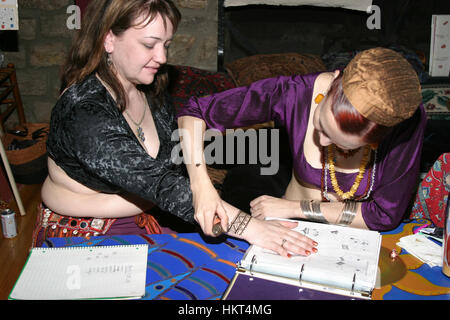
349 119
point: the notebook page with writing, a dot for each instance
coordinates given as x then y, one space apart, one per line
83 273
347 257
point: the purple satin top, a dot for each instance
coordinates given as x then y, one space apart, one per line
288 101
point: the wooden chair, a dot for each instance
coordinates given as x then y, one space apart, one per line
10 95
10 100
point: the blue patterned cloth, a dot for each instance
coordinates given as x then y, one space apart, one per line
186 266
180 266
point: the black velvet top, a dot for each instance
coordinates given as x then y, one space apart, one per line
92 142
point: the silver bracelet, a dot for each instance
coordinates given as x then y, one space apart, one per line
311 210
348 213
306 209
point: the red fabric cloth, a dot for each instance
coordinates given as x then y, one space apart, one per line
186 81
52 225
82 4
431 197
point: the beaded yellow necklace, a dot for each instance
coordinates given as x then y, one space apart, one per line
362 168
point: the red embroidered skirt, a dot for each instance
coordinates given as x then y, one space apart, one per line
52 225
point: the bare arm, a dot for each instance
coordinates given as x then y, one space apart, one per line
267 206
206 200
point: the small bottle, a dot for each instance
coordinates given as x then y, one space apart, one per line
9 223
446 240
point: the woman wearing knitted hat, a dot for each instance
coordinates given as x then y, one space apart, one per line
355 137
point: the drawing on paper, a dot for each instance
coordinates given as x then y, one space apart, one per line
9 19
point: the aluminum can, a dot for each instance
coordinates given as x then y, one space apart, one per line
9 223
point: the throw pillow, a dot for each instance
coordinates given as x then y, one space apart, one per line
186 82
246 70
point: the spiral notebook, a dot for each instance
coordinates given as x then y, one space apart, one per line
101 272
345 265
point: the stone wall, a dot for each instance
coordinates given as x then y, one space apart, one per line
45 39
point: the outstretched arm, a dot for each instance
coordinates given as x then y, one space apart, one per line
260 102
332 212
206 201
274 235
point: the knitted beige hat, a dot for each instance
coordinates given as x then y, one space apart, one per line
382 86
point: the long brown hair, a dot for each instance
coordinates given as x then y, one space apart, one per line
88 54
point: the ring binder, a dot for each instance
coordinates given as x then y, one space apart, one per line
253 262
346 254
301 274
352 292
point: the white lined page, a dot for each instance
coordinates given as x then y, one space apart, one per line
100 272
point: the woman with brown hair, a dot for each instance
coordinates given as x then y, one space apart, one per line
355 138
109 146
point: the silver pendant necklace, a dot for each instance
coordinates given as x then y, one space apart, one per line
139 130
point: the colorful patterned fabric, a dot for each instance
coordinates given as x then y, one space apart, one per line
436 99
188 266
52 225
408 278
180 266
186 82
431 197
82 4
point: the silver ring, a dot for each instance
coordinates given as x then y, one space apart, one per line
282 243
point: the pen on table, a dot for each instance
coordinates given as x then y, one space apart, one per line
426 233
420 228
